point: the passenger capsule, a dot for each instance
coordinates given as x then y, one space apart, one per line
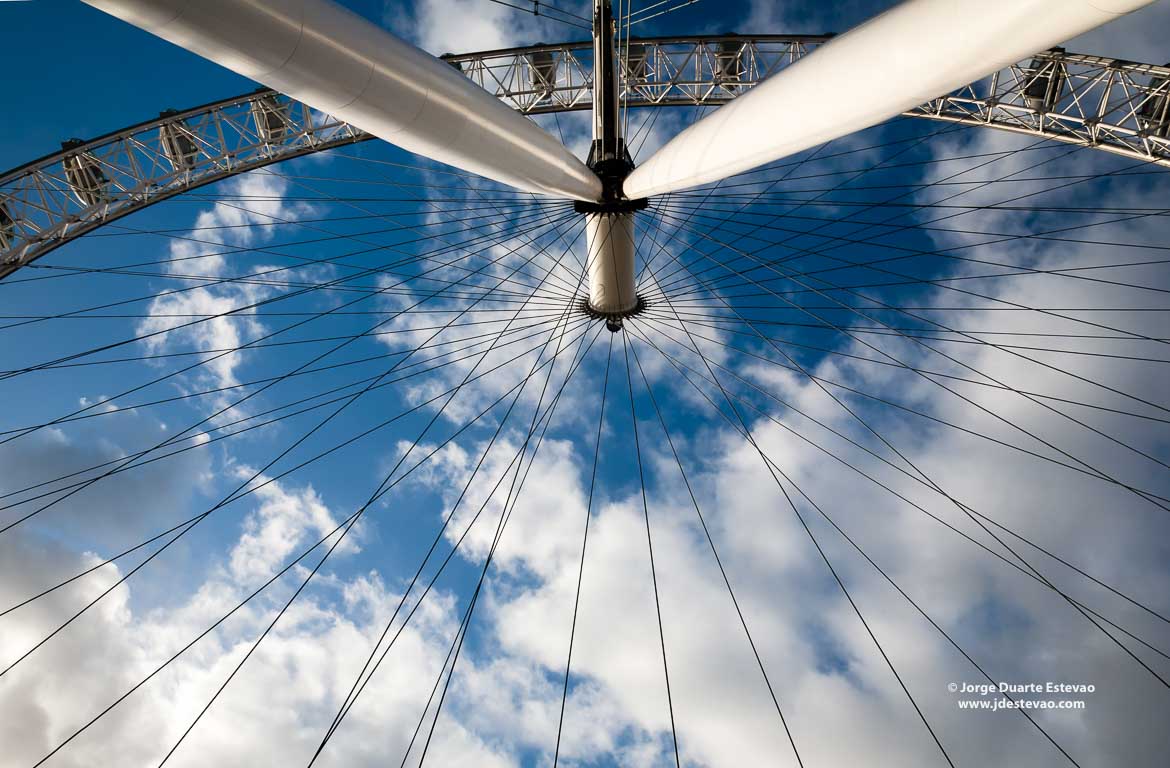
84 173
1045 83
728 61
542 73
637 63
1153 114
178 143
271 116
7 228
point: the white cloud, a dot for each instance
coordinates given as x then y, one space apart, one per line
277 527
308 659
480 26
208 252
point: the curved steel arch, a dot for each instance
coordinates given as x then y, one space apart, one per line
1117 106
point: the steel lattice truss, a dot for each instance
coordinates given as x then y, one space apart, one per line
1117 106
690 71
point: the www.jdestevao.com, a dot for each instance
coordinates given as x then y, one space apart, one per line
1031 695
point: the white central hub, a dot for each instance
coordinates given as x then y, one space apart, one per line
610 239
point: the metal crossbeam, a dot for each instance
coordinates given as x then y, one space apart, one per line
1117 106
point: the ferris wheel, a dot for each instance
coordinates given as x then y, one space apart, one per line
831 421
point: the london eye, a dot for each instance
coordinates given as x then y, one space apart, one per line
639 399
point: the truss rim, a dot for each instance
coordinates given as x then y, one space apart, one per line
64 215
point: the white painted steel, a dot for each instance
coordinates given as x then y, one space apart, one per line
610 240
339 63
914 52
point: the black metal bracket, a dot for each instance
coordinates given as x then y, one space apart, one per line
613 320
611 206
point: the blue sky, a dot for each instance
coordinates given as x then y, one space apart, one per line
1051 467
